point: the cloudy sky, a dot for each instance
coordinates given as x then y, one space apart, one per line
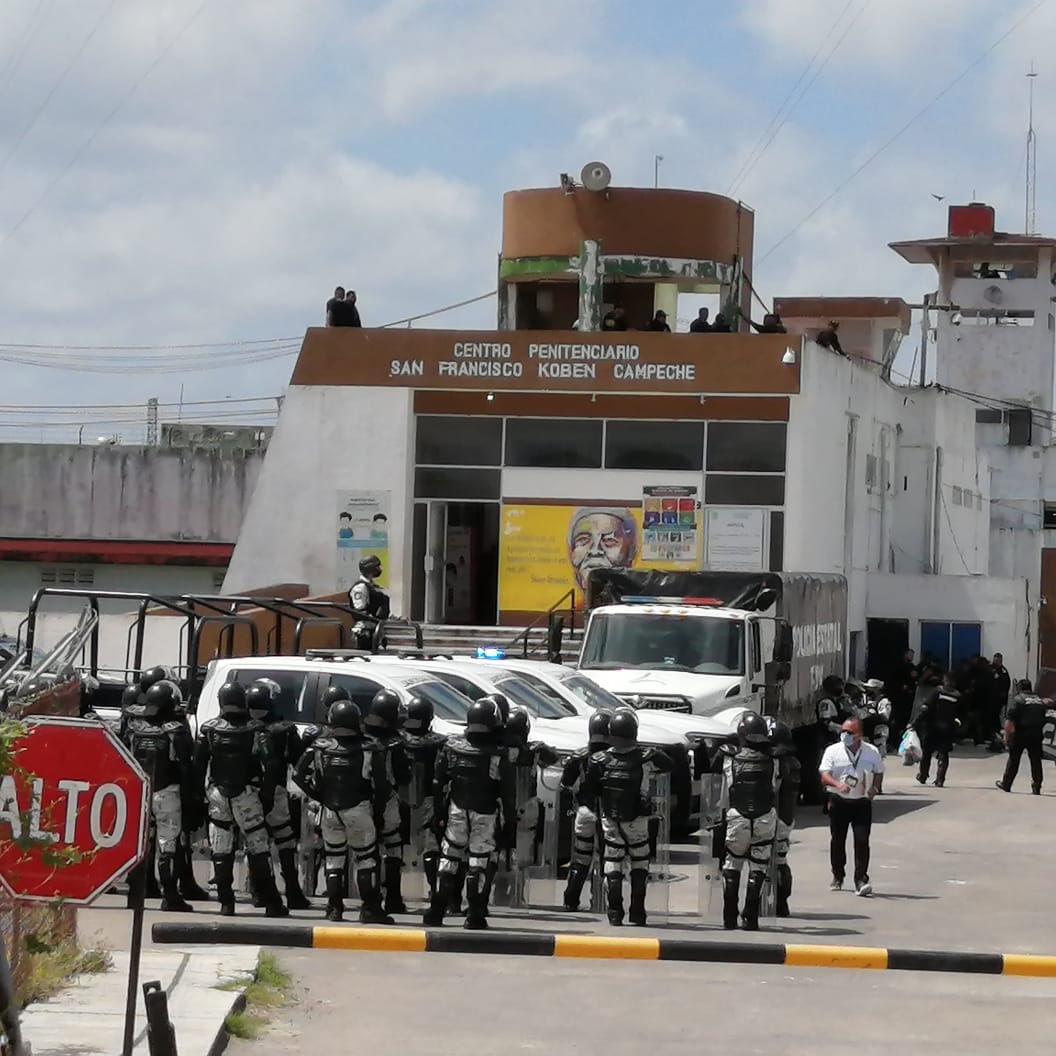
189 172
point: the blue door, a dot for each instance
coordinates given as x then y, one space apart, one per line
966 641
935 642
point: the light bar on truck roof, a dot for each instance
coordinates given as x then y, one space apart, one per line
490 652
645 599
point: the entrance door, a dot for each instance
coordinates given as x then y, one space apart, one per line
886 648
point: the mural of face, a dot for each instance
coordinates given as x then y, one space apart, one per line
600 538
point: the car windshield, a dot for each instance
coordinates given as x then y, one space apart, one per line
591 693
658 641
535 703
448 703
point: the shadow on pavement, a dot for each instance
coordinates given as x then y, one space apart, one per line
885 808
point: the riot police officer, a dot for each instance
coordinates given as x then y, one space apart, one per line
422 746
618 780
789 773
392 779
229 760
751 820
338 771
585 823
283 748
474 786
368 601
163 747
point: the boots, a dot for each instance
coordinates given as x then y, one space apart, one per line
752 898
1035 789
151 888
171 901
731 891
183 866
454 907
335 897
940 773
639 882
477 902
577 877
614 898
370 911
290 880
430 865
264 885
446 890
224 871
393 896
784 890
489 881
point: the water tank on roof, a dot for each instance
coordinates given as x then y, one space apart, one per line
971 221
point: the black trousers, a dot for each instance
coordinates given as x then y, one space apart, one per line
1019 745
937 744
856 815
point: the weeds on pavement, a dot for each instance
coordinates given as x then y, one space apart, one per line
264 989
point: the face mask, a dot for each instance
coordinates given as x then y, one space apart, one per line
848 739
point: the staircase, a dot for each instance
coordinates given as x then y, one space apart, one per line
438 637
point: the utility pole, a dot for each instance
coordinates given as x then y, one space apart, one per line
1030 208
656 169
152 422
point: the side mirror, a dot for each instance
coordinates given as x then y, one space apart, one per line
783 651
766 598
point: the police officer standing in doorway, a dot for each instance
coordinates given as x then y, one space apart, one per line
751 820
585 824
368 601
229 762
1024 726
618 781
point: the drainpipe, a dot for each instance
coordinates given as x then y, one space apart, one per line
936 517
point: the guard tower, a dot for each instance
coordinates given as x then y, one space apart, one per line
571 252
992 314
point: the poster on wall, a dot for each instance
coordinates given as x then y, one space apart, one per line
362 529
736 539
671 526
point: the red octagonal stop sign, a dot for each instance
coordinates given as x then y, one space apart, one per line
76 788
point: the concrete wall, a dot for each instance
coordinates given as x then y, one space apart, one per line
61 491
1006 608
328 439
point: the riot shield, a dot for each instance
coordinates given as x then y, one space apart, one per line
527 874
419 837
310 847
658 893
713 803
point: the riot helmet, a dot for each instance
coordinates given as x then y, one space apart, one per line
262 696
419 715
343 718
598 729
384 714
370 566
161 700
482 717
333 694
752 731
232 700
129 697
501 704
780 733
623 728
518 726
155 674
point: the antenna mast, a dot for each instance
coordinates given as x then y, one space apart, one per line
1030 209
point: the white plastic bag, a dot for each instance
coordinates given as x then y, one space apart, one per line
910 749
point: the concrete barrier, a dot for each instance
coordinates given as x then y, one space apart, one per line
548 944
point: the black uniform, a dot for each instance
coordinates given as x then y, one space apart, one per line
371 604
938 722
229 758
1026 715
422 751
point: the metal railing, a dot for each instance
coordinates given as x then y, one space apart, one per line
555 626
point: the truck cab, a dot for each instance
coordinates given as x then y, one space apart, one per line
687 655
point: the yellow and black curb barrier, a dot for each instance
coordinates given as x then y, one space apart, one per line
548 944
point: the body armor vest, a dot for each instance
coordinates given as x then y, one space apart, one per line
282 750
152 745
421 750
343 771
233 761
474 771
621 781
751 782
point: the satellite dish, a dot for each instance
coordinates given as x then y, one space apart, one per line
993 294
595 176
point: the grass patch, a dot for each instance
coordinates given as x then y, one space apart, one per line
265 989
50 962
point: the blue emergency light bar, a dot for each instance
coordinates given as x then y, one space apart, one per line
490 652
645 599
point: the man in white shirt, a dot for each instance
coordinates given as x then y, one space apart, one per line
852 772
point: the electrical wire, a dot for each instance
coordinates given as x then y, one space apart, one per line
79 152
439 311
793 100
905 128
32 27
55 87
953 534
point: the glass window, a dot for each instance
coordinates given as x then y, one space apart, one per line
458 441
447 702
654 445
655 642
462 685
360 689
732 490
528 697
553 442
457 483
291 684
747 447
777 540
596 696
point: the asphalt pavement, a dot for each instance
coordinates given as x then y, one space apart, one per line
965 867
